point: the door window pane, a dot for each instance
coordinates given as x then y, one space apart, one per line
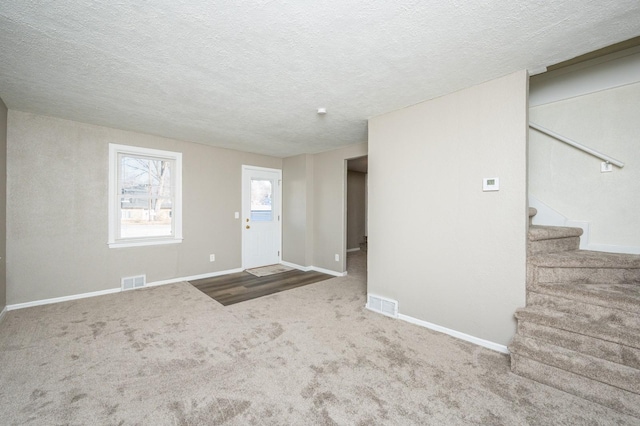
261 192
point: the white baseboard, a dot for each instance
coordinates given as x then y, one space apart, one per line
193 277
610 248
314 268
329 272
353 249
476 340
3 314
115 290
296 266
61 299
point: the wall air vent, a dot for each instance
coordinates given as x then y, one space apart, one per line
129 283
382 305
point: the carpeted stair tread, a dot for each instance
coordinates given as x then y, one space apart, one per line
625 297
614 352
611 373
540 232
575 384
580 329
605 330
586 259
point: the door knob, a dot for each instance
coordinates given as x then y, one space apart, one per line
248 227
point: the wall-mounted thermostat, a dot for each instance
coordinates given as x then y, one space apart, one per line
491 184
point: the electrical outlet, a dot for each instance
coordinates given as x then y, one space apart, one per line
337 257
212 258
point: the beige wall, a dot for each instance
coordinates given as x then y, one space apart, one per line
570 181
315 189
297 207
3 205
449 253
355 209
57 214
330 220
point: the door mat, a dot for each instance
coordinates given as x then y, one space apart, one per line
264 271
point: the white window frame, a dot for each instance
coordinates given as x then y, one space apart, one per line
114 197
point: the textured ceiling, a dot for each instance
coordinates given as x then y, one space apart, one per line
250 75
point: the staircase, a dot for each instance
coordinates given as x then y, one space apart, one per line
580 330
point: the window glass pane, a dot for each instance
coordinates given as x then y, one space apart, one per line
261 191
146 197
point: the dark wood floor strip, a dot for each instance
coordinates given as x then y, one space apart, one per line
242 286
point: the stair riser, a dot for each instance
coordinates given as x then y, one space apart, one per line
601 393
580 293
586 275
604 371
612 333
580 331
598 348
553 246
587 311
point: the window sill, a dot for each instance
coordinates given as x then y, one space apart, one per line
140 243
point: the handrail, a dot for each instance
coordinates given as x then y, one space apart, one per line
576 145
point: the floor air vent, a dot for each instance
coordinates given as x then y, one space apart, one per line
382 305
129 283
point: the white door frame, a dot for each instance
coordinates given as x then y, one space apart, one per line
244 207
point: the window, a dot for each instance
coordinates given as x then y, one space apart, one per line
261 210
145 196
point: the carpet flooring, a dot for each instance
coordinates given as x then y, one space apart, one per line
171 355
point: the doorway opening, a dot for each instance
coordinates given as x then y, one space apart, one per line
356 205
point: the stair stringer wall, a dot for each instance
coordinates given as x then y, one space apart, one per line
549 216
571 182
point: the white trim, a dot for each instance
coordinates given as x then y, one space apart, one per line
145 243
3 313
457 334
113 290
328 271
353 249
112 237
314 268
260 169
299 267
612 248
192 277
62 299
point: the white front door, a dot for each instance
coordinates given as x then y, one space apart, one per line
261 203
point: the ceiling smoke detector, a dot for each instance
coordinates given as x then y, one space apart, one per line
322 111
